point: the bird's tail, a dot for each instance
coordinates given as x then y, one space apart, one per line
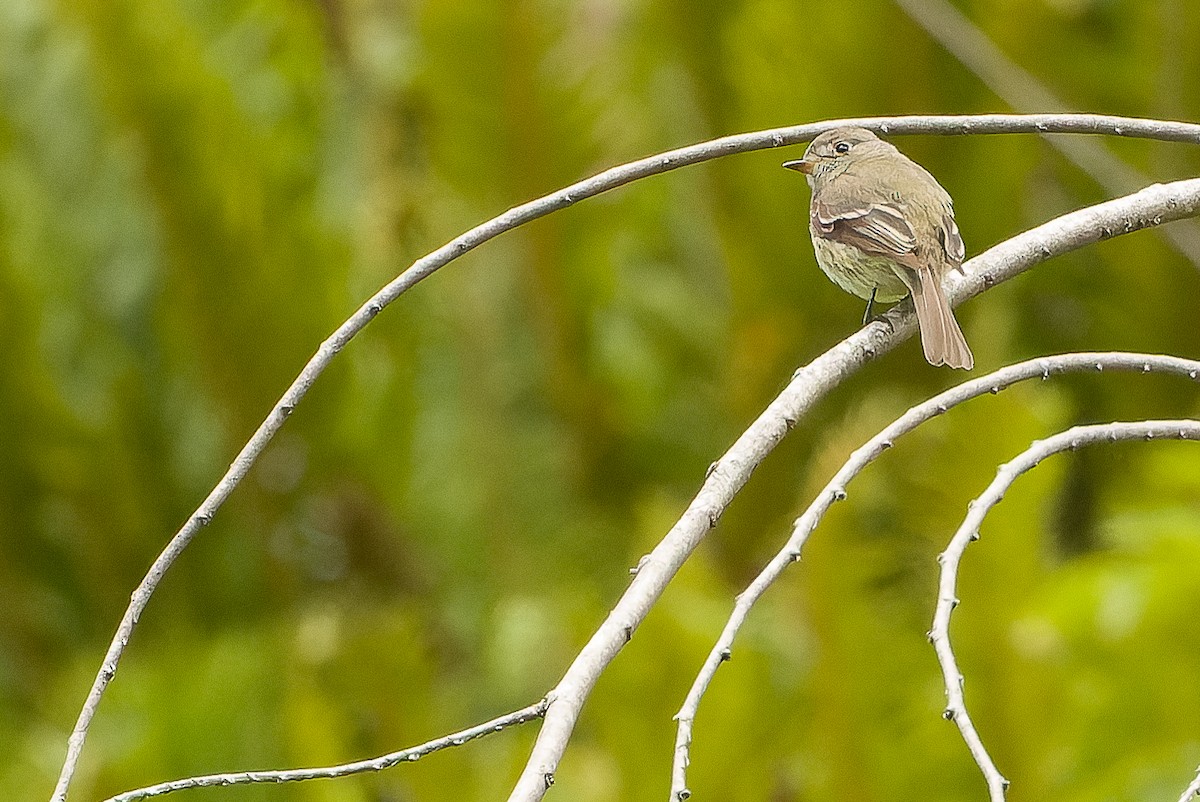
941 338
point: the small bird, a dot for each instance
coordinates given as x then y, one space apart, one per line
882 228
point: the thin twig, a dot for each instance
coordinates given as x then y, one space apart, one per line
835 490
964 40
810 383
1192 790
374 764
1070 440
519 215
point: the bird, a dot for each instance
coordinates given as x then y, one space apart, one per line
882 229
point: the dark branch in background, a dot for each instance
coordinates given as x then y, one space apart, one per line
835 490
560 726
939 636
375 764
1151 206
954 31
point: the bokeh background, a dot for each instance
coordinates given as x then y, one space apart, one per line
194 193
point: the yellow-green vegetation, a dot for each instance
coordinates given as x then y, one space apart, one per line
194 193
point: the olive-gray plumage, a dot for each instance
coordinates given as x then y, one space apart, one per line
882 228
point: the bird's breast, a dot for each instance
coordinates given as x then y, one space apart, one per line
859 273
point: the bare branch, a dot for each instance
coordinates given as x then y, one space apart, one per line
809 384
964 40
835 490
1070 440
1192 790
1180 206
374 764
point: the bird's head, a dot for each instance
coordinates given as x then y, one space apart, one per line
833 151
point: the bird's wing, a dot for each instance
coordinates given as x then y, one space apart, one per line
952 241
875 228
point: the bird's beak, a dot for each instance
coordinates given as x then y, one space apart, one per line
800 166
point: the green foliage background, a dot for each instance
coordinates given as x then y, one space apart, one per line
193 193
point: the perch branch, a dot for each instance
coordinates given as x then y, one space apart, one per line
732 471
1070 440
835 490
515 217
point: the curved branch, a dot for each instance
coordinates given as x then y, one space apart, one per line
513 218
1192 790
1070 440
835 490
374 764
810 383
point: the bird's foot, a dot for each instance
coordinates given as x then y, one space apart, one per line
884 319
869 316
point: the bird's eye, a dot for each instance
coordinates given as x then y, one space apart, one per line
842 147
